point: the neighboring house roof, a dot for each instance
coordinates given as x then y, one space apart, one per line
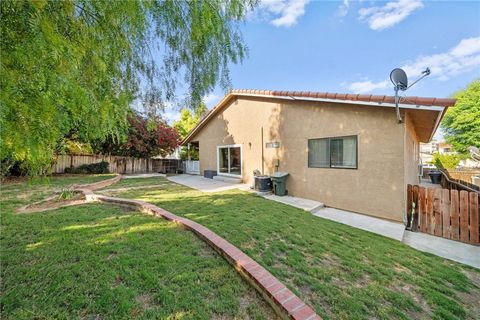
435 104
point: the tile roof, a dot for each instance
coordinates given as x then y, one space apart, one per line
441 102
359 98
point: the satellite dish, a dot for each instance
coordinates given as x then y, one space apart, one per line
399 79
400 82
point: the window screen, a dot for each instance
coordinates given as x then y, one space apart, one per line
338 152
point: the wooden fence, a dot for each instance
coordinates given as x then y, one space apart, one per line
451 214
116 164
459 179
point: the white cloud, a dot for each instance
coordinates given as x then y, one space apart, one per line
379 18
343 8
210 99
367 86
284 13
464 57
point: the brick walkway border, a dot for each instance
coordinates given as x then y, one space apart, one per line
285 303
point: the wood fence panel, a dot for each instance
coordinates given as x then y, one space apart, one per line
117 164
454 215
437 207
422 209
446 213
451 214
464 216
474 218
430 217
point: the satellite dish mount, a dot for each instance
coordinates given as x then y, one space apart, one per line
400 82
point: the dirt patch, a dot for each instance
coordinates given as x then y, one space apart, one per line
410 290
401 269
330 261
118 281
145 301
363 281
52 203
119 190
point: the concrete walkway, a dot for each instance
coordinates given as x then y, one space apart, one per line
305 204
449 249
383 227
206 185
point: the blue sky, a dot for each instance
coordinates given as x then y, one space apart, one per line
349 46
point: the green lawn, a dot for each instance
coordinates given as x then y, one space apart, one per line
100 261
344 273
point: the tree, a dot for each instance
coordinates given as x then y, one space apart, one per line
145 138
461 123
446 160
188 121
73 67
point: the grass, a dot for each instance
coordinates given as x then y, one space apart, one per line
100 261
344 273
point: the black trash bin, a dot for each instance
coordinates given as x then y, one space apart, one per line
263 183
435 177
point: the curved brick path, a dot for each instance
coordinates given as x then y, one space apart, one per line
284 301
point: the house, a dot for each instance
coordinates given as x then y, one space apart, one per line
345 150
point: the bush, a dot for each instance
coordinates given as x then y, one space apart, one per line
446 161
100 167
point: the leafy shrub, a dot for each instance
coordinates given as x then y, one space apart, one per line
446 161
100 167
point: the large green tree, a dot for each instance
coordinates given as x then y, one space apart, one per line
461 123
73 67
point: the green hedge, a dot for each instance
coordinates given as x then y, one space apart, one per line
100 167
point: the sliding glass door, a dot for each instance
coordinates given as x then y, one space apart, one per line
229 160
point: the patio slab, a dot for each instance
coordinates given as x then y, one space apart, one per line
449 249
206 185
385 228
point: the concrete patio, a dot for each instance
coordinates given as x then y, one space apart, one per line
206 185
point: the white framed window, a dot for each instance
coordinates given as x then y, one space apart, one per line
229 160
334 152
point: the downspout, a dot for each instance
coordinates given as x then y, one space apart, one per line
261 130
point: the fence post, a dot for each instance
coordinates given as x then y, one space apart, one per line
409 204
415 209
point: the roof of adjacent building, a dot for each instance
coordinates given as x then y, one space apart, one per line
360 99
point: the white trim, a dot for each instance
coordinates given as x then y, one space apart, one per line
375 104
241 160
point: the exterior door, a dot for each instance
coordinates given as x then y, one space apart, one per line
229 160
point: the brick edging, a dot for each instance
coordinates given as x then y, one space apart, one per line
284 302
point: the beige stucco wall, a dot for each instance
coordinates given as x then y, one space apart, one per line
376 188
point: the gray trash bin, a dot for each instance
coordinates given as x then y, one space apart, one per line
279 180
